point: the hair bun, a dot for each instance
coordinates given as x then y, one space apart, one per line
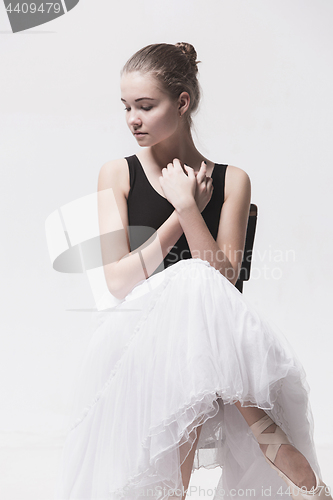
189 51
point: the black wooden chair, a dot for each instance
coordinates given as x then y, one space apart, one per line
244 274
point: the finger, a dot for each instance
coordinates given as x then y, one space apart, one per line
188 166
190 171
177 164
209 182
202 172
183 167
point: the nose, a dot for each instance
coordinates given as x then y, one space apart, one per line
133 119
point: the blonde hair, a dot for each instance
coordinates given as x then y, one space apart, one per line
175 67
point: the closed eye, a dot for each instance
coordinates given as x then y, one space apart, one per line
147 108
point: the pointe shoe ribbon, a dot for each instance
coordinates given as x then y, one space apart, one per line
274 441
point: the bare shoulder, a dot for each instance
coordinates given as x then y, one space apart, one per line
115 174
237 181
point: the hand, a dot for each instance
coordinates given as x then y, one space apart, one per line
179 188
204 187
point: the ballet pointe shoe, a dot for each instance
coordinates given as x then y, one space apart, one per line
274 440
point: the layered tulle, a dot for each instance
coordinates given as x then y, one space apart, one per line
177 353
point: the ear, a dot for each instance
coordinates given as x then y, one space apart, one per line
183 103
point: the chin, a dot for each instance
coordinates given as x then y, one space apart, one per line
146 143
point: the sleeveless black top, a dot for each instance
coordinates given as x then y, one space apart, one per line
147 210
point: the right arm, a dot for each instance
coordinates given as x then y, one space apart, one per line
123 269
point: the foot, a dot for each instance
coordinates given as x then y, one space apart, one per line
292 463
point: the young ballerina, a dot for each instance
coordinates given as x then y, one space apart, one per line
182 372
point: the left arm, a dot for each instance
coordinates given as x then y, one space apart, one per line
226 253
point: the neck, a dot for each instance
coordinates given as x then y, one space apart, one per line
180 146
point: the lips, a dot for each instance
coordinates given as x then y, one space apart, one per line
140 133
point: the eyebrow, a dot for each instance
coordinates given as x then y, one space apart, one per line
140 99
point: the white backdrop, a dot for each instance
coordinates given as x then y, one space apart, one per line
267 80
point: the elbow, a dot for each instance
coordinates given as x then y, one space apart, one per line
233 280
116 288
116 292
230 270
231 273
114 282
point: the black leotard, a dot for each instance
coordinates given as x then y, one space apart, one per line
147 210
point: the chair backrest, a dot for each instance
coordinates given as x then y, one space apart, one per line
244 274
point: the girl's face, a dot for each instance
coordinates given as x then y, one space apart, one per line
151 115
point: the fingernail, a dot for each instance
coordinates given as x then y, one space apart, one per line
205 162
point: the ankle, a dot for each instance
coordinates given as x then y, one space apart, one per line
286 458
269 430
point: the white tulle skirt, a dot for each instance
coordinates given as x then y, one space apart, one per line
176 353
